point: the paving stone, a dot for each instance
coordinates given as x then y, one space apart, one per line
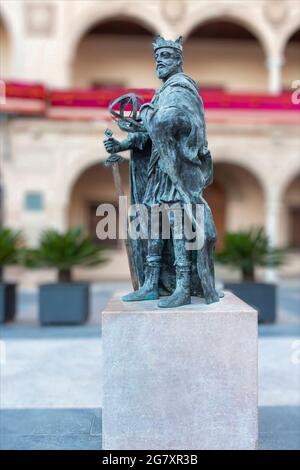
46 421
59 370
50 442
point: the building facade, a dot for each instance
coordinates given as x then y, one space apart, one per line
243 54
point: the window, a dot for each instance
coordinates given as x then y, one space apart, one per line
34 201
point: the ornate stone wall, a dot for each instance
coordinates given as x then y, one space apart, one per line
48 157
45 35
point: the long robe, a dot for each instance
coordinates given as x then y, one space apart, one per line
175 138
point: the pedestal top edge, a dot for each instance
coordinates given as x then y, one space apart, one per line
230 303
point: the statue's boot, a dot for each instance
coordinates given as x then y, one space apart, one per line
182 293
149 290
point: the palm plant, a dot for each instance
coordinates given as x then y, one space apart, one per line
246 250
11 242
65 250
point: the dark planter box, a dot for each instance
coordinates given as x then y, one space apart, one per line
260 295
64 303
7 302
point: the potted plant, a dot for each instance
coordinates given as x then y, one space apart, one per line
246 250
65 302
11 242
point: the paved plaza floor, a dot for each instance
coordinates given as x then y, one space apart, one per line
51 378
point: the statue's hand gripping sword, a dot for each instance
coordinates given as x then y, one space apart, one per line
114 160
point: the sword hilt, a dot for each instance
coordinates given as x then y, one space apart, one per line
115 157
108 133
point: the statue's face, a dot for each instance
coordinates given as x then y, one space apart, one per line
167 62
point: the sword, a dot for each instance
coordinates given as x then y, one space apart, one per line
114 160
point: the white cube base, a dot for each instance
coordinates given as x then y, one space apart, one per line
183 379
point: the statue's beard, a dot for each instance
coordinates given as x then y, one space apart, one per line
163 72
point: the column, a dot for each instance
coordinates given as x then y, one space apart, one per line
274 65
272 221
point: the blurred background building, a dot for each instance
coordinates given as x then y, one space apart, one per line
63 61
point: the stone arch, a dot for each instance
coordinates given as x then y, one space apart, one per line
90 185
241 18
290 213
291 70
229 55
226 155
292 26
12 27
289 174
91 16
75 168
75 39
5 46
93 185
235 193
116 52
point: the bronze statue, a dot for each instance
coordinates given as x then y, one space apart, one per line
170 166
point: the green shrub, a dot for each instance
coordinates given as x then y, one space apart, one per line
11 245
64 251
246 250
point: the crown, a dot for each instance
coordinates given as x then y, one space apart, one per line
161 42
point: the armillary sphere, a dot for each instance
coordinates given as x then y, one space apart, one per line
125 110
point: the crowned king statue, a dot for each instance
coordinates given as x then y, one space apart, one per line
170 166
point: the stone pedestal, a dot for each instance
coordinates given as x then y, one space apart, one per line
179 379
